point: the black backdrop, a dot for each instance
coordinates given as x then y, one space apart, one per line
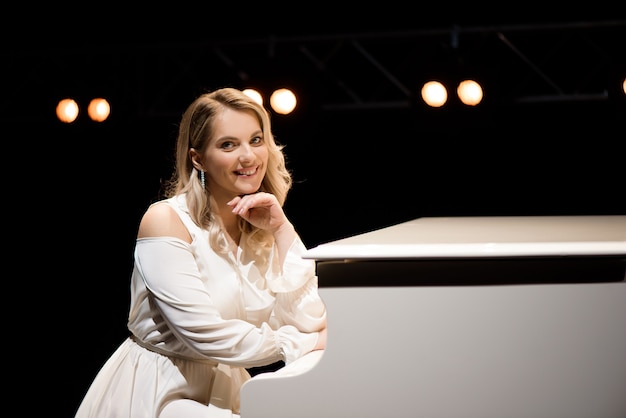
353 173
81 189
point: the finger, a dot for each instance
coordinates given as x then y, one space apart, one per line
257 200
244 204
233 202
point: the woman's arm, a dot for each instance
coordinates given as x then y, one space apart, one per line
160 220
263 211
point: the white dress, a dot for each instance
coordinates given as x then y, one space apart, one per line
197 320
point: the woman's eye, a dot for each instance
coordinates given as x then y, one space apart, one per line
227 145
256 140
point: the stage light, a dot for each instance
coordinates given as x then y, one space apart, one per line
283 101
254 95
434 94
624 86
470 92
99 110
67 110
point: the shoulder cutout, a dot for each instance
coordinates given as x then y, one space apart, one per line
161 220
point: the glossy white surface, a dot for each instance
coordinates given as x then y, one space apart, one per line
499 236
553 350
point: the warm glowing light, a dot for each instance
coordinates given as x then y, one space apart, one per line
254 95
99 110
434 94
67 110
283 101
470 92
624 85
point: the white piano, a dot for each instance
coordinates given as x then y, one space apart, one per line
482 317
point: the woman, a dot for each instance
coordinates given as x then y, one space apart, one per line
219 283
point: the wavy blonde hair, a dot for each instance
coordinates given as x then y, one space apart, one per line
195 130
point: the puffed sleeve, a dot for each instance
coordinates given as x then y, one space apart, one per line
168 270
295 284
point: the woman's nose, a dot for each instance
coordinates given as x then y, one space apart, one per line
246 153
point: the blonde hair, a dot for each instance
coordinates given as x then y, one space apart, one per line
195 130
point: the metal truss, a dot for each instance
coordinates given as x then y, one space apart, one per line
347 71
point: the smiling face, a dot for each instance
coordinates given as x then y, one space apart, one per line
235 159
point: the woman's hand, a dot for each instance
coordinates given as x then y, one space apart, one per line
321 341
261 210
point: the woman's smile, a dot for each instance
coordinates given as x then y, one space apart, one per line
247 172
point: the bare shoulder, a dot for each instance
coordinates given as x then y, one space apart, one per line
161 220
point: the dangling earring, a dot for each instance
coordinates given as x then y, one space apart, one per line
202 179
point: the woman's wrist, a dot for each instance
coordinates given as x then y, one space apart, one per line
285 232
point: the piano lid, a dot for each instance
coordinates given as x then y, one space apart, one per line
489 236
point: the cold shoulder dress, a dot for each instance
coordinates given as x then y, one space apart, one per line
197 320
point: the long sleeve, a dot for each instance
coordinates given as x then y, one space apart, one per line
173 310
295 285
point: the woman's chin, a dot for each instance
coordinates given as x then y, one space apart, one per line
243 190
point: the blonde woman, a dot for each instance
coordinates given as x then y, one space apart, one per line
218 284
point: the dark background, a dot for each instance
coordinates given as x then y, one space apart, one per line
364 151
